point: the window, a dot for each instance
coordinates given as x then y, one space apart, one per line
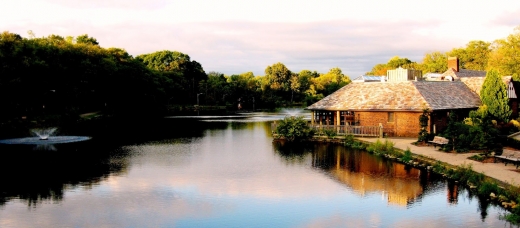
390 117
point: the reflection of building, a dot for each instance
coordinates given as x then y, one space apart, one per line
366 173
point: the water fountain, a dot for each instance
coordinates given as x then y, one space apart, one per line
44 133
293 111
44 136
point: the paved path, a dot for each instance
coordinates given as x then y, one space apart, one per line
497 170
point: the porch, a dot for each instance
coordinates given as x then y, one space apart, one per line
359 131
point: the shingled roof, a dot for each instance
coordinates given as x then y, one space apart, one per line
463 73
400 96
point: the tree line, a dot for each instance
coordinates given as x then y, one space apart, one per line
68 76
501 54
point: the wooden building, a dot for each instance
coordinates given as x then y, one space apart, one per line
397 104
394 105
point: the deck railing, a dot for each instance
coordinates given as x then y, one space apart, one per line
368 131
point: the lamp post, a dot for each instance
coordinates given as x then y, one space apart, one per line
198 102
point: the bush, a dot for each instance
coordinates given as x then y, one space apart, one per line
382 148
351 143
331 133
407 156
294 129
487 187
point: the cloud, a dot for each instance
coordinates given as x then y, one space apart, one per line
508 19
114 4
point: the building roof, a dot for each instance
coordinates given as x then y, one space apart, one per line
368 78
432 75
463 73
400 96
475 83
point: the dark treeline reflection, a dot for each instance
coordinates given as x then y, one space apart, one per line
38 173
34 174
365 173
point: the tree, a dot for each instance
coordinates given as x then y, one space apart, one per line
331 81
474 56
396 62
434 62
393 63
423 122
295 85
179 67
379 69
505 56
279 76
494 95
85 39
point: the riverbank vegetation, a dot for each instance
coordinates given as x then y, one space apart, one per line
293 129
484 129
68 76
486 188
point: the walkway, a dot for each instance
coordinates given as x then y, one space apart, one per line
497 170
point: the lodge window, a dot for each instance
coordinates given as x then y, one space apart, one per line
390 117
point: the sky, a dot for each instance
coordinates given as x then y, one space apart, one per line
238 36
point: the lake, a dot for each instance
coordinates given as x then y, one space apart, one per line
221 172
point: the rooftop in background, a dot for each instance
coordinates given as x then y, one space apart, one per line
369 78
432 76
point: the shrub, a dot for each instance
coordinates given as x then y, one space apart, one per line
477 157
352 143
487 187
382 148
423 122
330 133
294 129
407 156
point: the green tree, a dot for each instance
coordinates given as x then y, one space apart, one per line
434 62
279 76
179 68
505 56
423 123
455 130
494 95
85 39
474 56
295 85
331 81
294 128
393 63
396 62
481 132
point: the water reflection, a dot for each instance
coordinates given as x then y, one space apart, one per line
38 176
363 172
199 173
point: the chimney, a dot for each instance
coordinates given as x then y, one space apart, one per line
453 62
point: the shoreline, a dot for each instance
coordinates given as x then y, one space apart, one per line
507 174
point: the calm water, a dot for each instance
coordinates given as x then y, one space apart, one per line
221 173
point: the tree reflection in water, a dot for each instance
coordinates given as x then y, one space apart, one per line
36 176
